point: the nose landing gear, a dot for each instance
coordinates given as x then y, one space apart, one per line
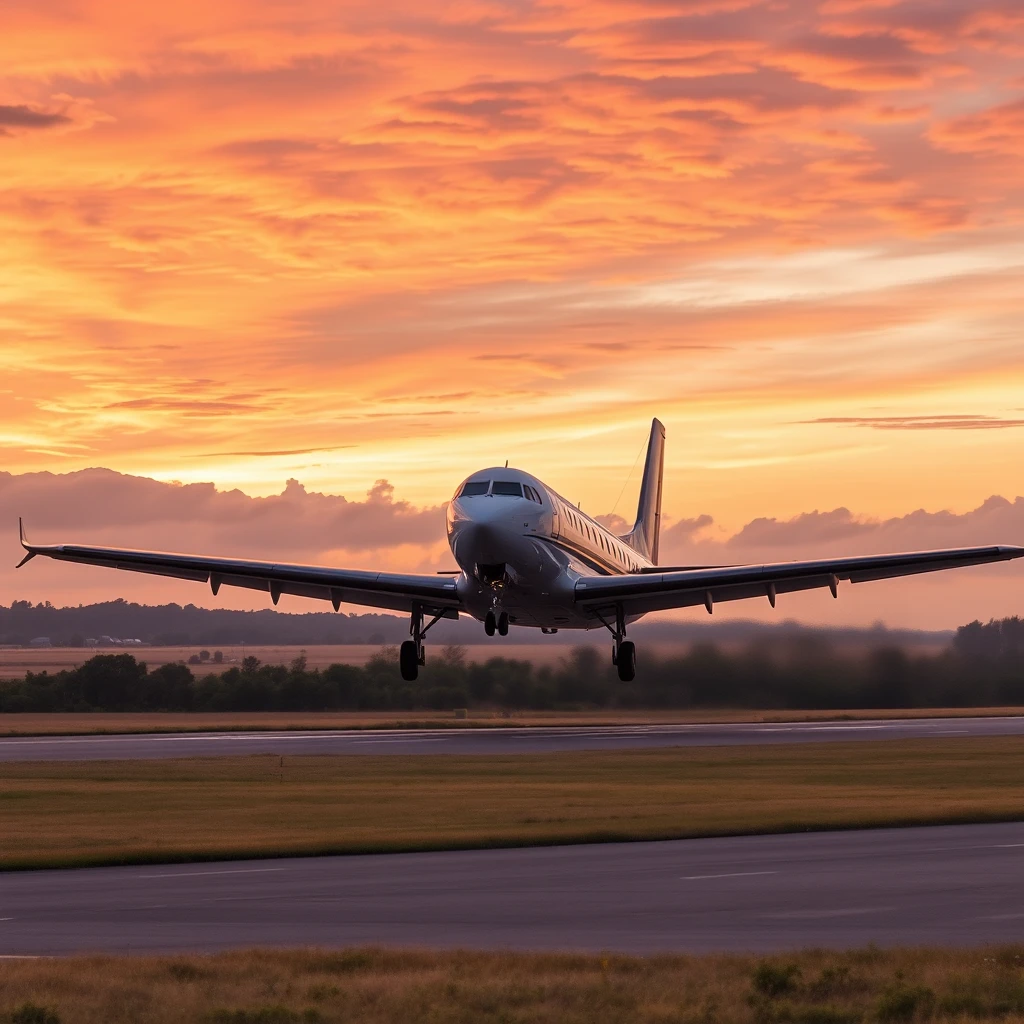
494 622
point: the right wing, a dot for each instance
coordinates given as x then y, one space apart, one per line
433 595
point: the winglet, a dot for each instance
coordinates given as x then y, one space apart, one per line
24 543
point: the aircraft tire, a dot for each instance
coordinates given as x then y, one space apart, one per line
503 624
489 624
409 660
626 661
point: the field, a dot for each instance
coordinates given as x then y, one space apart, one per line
16 661
56 814
375 986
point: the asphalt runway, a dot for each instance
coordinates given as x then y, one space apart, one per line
952 885
533 740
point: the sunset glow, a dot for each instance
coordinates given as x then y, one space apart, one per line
339 243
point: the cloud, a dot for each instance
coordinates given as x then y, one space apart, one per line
963 421
272 454
158 514
996 131
24 116
840 531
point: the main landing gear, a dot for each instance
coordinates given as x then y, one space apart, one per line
624 651
411 654
493 622
624 659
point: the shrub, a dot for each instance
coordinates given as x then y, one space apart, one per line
263 1015
773 980
29 1013
903 1002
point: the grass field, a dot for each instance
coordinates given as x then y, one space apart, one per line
381 987
54 814
73 724
16 661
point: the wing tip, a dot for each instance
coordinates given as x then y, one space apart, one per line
24 543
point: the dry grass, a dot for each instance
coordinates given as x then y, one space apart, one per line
16 661
393 987
139 811
61 724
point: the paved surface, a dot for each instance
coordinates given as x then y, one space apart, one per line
954 885
488 741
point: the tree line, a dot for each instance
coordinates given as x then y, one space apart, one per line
982 667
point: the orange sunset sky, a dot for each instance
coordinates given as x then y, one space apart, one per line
276 276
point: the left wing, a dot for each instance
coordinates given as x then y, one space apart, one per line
651 591
433 595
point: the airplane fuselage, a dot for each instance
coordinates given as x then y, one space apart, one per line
522 547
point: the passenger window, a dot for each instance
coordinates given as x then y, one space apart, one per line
507 488
474 488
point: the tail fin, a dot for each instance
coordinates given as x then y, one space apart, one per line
647 530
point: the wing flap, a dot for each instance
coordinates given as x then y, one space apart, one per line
435 595
640 593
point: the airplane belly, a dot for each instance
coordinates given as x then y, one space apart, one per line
538 588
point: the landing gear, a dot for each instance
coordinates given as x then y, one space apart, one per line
411 654
625 660
624 651
497 623
409 660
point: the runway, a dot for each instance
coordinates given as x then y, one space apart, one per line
953 885
500 741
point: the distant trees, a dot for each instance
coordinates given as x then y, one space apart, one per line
983 666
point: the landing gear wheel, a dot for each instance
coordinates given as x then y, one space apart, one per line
503 624
489 624
625 661
409 660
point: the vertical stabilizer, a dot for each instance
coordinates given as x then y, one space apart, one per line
647 530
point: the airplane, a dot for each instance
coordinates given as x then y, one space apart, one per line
529 557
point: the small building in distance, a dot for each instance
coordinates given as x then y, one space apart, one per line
40 641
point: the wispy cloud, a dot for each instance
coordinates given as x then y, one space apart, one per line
954 422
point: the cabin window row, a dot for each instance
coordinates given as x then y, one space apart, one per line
585 528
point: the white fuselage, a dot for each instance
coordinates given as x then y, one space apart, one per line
522 547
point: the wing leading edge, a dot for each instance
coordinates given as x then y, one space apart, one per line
433 595
639 593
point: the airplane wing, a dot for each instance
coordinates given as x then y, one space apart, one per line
434 595
650 591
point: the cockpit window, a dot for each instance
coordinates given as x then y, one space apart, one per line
508 488
474 487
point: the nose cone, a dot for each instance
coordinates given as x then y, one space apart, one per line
486 530
479 543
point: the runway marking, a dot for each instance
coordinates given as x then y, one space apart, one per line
814 915
1006 846
199 874
728 874
6 919
1001 917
